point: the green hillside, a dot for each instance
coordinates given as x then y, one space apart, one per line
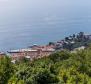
59 68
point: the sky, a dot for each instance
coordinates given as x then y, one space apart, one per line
10 10
22 13
35 12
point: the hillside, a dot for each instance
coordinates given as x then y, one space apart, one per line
73 41
59 68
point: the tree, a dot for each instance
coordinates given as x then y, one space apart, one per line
6 69
59 56
45 77
72 76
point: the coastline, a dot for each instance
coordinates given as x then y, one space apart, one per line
71 43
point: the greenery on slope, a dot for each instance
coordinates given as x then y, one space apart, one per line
74 41
59 68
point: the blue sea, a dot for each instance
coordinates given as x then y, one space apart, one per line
27 22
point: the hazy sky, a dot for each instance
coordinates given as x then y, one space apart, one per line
12 11
18 14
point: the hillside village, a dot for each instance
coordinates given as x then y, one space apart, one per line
72 43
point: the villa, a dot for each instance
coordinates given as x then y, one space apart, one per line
31 53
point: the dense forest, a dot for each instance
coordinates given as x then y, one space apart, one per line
61 67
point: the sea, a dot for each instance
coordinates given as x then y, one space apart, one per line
27 22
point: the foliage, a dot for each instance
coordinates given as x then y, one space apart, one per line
6 69
59 68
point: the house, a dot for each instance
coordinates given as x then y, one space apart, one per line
78 49
21 53
31 53
2 54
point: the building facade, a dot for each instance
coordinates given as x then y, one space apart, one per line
30 53
2 54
